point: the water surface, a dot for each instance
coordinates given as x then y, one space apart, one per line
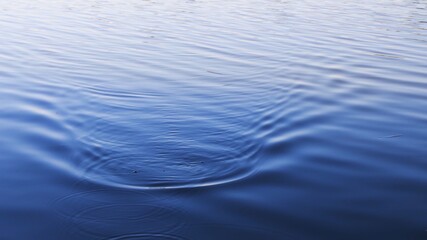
209 119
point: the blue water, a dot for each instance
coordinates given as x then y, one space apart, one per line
211 119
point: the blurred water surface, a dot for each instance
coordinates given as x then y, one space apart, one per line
209 119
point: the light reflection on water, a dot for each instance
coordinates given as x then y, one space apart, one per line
213 119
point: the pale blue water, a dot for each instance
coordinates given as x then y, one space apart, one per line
256 119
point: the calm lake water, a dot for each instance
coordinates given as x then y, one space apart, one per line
212 119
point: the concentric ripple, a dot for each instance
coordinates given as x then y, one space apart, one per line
159 151
96 213
306 119
185 135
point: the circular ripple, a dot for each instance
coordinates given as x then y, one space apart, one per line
97 213
102 220
153 153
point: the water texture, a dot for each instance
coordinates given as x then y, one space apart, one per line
209 119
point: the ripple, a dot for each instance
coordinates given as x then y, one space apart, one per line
100 220
302 124
141 153
96 213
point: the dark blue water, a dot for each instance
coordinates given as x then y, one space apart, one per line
209 119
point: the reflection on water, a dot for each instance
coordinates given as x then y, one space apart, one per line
208 119
171 140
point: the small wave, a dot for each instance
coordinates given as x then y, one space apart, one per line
149 152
